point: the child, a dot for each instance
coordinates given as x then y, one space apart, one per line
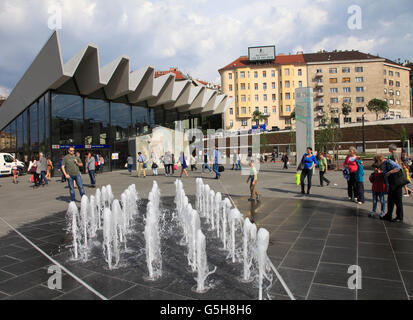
406 174
379 189
359 182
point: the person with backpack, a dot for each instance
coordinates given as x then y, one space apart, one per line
308 162
154 166
359 180
379 189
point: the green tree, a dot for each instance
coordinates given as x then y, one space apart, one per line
378 106
257 116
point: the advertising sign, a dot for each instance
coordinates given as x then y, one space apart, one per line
265 53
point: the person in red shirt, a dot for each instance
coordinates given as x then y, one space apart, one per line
351 165
379 190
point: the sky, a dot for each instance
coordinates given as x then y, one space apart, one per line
199 36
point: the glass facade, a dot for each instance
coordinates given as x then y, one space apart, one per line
57 120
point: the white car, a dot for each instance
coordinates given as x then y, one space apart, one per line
6 164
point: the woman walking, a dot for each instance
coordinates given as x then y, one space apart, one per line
91 169
392 174
351 165
49 168
184 166
322 164
308 162
33 169
15 171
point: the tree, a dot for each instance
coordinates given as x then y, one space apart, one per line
257 116
346 108
378 106
329 133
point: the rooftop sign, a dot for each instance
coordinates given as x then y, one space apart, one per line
264 53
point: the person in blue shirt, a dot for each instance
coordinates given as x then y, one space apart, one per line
359 182
308 162
141 167
215 167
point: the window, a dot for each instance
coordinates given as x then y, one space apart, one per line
255 86
390 73
248 86
300 84
287 84
265 97
385 91
359 69
334 100
347 120
273 73
397 93
273 97
384 72
346 80
229 75
231 123
398 102
274 109
242 86
359 79
243 98
359 119
255 74
286 72
346 89
397 74
230 87
256 97
300 72
273 85
264 86
288 121
244 123
333 80
397 83
360 109
287 108
346 70
242 74
333 90
391 101
265 110
360 99
360 89
257 109
264 74
231 111
347 100
391 92
332 70
287 96
385 81
243 110
319 70
391 82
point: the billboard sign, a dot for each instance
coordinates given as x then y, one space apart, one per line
265 53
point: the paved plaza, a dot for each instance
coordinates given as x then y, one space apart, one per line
314 239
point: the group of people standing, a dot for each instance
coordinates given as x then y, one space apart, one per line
40 167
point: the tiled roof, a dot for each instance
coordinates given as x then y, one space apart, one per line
280 59
178 74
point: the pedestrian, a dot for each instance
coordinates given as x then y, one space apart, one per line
205 164
101 164
97 163
379 189
91 169
215 166
129 162
238 167
167 162
193 161
154 164
184 166
234 160
394 155
308 162
41 170
273 155
70 168
33 170
284 159
359 179
253 179
408 187
49 168
59 169
392 173
351 165
323 167
141 165
15 171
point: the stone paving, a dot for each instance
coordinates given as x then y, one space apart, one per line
314 239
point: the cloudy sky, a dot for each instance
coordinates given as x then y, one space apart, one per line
198 36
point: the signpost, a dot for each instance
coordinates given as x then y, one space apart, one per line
304 116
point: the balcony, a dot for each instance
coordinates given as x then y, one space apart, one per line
320 93
319 84
319 103
319 114
319 73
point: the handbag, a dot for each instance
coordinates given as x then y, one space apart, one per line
297 178
175 167
33 169
397 180
301 165
145 165
154 165
221 168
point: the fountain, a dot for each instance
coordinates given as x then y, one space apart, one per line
73 227
226 207
212 209
234 220
93 217
98 197
264 268
217 203
153 243
249 252
201 263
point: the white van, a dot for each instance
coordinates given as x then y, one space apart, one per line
6 163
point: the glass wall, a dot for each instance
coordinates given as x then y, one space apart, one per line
140 120
96 122
120 120
34 127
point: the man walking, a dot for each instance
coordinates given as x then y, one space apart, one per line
41 169
70 168
90 169
238 164
215 167
141 163
205 164
253 184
